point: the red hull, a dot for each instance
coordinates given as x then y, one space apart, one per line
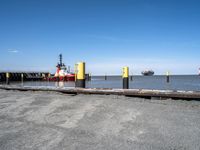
65 78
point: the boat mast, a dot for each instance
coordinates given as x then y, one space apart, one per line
60 56
61 65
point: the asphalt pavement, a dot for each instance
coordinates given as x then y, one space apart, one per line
55 121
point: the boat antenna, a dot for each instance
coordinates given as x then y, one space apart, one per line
60 59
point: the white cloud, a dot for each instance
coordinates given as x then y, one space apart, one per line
13 51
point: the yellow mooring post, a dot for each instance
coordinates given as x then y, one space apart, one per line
7 78
125 77
80 81
167 76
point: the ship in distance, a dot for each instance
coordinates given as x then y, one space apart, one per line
199 71
147 72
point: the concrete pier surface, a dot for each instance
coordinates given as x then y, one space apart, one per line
56 121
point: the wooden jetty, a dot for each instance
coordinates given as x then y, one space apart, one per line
144 93
27 76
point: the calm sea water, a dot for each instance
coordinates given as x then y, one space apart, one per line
177 82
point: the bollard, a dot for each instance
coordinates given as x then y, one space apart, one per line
167 77
90 76
131 77
7 78
22 78
80 81
125 77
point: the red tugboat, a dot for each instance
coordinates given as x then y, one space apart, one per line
62 73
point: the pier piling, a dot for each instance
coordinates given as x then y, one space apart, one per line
7 78
125 77
167 77
17 76
90 77
80 82
22 78
131 77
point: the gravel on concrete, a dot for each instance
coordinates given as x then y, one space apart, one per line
55 121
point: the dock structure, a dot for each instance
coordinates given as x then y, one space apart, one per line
27 76
144 93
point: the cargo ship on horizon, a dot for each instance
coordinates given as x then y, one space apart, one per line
147 73
199 71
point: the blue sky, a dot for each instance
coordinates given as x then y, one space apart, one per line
163 35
